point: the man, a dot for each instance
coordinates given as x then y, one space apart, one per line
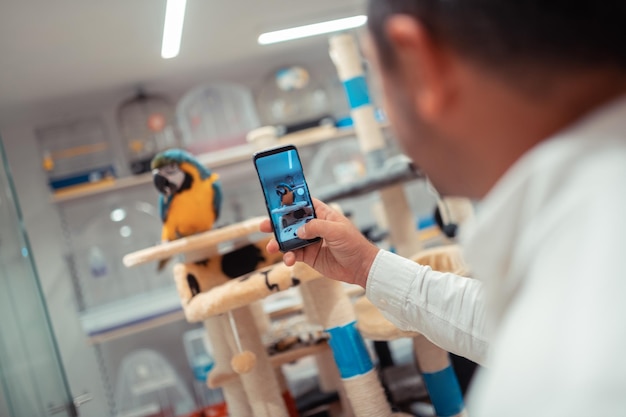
520 105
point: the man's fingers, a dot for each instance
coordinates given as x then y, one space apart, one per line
266 226
317 228
289 258
272 246
322 210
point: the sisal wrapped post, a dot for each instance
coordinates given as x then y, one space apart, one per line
334 310
439 377
234 393
328 375
434 363
326 370
403 233
205 292
261 318
345 54
260 382
347 59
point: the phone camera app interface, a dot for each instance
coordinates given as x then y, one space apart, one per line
286 193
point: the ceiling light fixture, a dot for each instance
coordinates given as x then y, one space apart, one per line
312 30
173 28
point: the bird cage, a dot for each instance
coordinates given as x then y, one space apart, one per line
147 123
149 386
214 117
76 154
293 99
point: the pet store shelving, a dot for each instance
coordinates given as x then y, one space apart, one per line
215 160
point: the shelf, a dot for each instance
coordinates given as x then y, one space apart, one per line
234 236
289 302
214 160
277 360
292 355
100 188
132 315
160 307
131 329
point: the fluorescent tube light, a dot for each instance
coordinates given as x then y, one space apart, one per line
312 30
173 27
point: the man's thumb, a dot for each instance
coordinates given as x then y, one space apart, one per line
311 230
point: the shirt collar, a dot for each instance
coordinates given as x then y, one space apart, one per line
491 238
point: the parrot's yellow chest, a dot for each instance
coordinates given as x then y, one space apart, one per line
191 211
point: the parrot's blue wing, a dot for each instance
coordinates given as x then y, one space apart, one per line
164 206
217 198
205 173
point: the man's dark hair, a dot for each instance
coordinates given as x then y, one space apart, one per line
516 34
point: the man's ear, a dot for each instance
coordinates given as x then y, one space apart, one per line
423 63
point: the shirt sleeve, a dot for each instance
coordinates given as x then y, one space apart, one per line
448 309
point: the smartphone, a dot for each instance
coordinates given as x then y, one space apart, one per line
287 197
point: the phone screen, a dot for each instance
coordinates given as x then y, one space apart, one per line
287 197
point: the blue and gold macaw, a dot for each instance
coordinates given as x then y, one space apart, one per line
285 192
191 195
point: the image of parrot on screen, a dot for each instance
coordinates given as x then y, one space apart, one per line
285 192
190 194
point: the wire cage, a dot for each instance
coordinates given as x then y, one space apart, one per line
291 97
77 153
147 123
215 117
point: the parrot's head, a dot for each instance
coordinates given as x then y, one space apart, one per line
168 176
282 189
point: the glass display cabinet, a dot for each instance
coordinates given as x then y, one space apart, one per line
32 379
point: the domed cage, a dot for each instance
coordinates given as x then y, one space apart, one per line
147 123
102 233
148 385
295 100
215 117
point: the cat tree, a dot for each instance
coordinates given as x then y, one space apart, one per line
243 368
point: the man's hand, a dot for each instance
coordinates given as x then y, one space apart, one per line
343 253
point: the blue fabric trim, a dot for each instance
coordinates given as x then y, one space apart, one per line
202 368
445 392
357 92
426 222
349 350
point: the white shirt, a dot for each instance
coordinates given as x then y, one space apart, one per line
547 313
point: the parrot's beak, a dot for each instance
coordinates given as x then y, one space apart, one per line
162 184
170 179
